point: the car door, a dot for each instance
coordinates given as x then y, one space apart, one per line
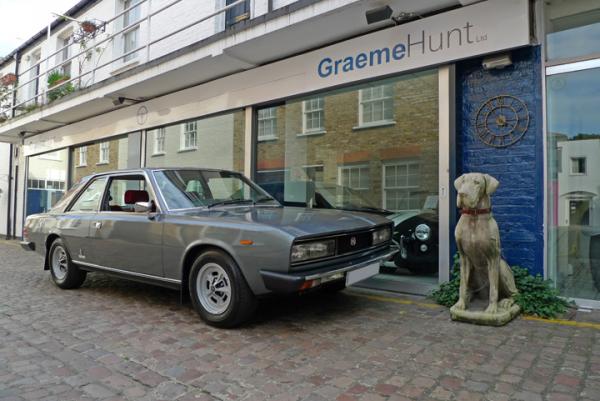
74 224
123 239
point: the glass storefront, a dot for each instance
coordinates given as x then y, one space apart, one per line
107 155
46 180
573 137
372 148
214 142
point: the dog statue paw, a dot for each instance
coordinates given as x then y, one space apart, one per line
483 272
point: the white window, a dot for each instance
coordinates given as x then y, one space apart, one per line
104 155
355 177
159 141
578 166
130 36
189 136
82 156
400 186
267 123
376 105
313 115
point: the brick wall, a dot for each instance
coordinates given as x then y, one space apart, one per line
518 202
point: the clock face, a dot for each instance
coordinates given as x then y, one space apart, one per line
501 121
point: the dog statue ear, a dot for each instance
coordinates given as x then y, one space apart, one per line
458 182
491 184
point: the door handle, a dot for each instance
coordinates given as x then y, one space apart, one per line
98 225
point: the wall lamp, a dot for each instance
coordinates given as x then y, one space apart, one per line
497 62
385 13
122 100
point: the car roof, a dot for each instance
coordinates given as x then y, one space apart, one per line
149 169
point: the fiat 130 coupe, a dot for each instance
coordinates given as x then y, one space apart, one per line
212 234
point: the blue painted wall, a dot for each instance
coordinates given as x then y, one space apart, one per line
518 202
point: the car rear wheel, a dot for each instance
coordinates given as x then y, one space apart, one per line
219 291
65 273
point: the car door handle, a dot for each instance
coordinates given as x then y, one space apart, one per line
98 225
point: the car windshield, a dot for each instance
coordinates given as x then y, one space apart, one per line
341 197
185 189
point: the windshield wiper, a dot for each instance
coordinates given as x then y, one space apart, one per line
230 202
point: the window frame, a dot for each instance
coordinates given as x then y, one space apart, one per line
82 161
186 133
69 208
132 28
350 167
162 131
103 146
306 111
578 158
151 194
271 118
408 188
362 102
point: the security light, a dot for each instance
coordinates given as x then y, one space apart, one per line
378 14
496 62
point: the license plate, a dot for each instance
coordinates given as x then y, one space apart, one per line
361 274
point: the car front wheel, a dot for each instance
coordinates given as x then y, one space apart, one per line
219 291
65 273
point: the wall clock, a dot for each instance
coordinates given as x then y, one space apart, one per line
501 121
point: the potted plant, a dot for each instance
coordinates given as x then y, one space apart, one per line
8 79
56 78
88 26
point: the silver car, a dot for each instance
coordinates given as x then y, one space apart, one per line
212 234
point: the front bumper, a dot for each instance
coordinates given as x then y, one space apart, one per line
294 281
27 245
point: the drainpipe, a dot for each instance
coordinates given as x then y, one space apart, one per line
8 202
14 96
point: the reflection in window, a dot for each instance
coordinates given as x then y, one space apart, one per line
401 182
82 156
355 177
89 200
376 104
214 142
267 123
573 29
314 115
46 180
104 153
189 138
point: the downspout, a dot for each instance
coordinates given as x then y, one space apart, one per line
14 96
15 198
8 202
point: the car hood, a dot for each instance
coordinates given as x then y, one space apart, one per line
400 217
298 222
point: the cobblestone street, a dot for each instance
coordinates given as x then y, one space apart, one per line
116 340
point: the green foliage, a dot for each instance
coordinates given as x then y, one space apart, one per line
536 296
56 78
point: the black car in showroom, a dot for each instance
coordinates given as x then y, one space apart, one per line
415 231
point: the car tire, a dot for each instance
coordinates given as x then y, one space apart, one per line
64 272
219 291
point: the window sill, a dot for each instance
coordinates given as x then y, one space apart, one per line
157 154
125 65
378 124
267 138
183 150
102 163
81 165
312 133
577 174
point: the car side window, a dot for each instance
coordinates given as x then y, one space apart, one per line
124 192
89 200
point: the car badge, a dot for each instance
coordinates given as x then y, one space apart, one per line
353 241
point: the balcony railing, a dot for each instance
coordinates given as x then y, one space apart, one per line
41 98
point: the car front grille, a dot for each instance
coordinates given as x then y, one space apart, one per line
354 242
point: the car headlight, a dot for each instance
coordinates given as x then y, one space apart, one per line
422 232
382 235
313 250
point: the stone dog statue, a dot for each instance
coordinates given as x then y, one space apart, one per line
483 272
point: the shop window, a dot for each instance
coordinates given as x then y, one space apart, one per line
267 124
313 116
572 29
401 186
82 156
159 142
104 155
46 180
376 105
189 136
214 142
354 177
578 165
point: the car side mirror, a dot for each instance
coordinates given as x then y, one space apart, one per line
144 207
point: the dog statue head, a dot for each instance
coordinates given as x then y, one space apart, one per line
472 188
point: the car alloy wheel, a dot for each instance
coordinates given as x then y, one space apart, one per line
213 287
59 263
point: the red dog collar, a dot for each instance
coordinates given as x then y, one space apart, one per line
475 212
